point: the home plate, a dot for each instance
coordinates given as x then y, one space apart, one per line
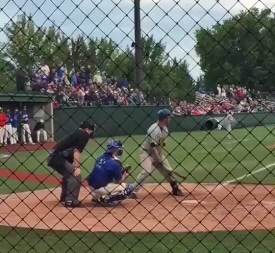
4 156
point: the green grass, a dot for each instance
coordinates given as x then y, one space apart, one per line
26 240
205 157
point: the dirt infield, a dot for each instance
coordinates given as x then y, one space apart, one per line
205 208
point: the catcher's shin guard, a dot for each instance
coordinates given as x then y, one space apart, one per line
119 197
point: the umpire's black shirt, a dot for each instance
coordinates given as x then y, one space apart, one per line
77 140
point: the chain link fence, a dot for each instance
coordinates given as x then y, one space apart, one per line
137 126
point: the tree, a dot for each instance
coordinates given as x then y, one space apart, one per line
7 73
28 45
25 42
238 51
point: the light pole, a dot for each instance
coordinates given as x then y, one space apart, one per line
138 49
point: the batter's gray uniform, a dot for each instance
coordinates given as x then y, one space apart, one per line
228 121
157 136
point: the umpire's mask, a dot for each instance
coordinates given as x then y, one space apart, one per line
89 128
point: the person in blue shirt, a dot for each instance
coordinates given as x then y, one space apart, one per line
15 125
106 180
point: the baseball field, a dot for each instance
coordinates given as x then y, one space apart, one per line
229 204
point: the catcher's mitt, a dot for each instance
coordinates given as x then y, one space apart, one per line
126 169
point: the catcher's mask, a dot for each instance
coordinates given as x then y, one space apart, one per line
115 146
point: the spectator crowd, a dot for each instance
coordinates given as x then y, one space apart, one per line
80 88
83 89
227 98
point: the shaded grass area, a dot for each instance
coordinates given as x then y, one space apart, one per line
26 240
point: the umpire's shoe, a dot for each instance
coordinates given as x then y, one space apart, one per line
71 204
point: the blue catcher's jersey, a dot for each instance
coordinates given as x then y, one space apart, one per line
105 171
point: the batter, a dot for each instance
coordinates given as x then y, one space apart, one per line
152 156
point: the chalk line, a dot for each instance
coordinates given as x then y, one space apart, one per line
237 141
247 175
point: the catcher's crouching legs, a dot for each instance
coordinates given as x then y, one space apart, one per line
111 194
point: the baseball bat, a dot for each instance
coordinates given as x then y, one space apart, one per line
178 174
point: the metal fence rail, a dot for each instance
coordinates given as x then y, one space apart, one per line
137 126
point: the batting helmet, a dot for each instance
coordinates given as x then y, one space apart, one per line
164 113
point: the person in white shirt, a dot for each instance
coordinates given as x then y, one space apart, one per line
25 126
39 129
223 94
228 121
152 156
219 91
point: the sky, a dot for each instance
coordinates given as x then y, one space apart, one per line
172 21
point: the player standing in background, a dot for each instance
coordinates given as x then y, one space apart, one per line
3 120
229 120
15 125
40 129
152 156
107 177
25 126
8 129
65 159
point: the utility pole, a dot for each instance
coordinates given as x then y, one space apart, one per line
138 49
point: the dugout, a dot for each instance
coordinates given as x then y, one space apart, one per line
39 106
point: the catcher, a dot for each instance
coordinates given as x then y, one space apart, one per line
152 157
106 181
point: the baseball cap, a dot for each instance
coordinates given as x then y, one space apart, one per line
164 113
113 145
88 125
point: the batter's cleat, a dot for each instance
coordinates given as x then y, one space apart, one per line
71 204
177 192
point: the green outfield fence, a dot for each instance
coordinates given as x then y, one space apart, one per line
133 120
117 64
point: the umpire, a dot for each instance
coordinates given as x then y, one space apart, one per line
65 159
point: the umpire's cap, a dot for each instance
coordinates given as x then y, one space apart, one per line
164 113
87 125
113 145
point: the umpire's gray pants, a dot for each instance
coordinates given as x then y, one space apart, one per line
71 184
